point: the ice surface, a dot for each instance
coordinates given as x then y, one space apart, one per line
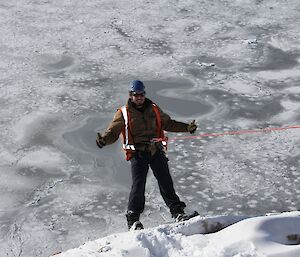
65 66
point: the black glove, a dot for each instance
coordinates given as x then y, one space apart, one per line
192 127
100 141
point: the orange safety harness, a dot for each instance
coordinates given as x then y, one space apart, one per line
128 144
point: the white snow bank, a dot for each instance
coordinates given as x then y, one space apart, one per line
237 236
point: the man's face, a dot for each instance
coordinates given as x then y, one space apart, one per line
138 98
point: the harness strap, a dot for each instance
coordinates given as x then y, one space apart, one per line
160 133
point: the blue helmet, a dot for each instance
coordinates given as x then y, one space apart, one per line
136 86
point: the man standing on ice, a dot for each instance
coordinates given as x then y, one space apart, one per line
142 124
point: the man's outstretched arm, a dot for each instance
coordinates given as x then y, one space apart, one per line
171 125
113 131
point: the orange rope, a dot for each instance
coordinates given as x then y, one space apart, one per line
240 132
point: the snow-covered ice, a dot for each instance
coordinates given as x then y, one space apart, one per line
64 70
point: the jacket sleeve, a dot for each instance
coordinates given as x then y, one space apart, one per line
114 129
171 125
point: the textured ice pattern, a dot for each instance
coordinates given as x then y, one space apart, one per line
65 66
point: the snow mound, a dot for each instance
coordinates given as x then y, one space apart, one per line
222 236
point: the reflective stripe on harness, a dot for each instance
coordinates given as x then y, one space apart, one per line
126 145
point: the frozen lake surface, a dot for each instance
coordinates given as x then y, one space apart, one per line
65 68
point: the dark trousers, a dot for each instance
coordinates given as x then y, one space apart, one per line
139 168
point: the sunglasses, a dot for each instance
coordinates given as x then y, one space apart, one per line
138 94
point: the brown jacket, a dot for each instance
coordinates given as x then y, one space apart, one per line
143 123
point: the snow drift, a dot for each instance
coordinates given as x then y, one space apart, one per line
222 236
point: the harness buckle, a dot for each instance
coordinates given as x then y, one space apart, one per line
163 141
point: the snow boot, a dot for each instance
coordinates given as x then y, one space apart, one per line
179 215
177 212
133 221
137 226
182 216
